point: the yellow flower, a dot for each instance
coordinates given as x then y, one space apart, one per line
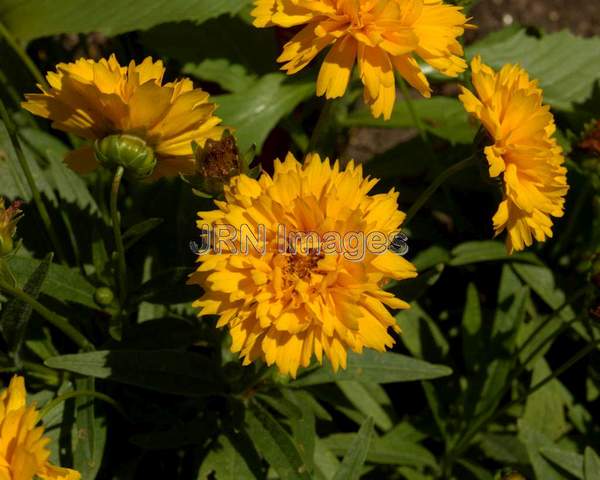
382 35
283 301
96 99
524 151
23 452
8 226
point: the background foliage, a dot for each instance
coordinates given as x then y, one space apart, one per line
476 387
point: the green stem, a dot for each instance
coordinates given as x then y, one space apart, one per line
116 223
59 322
413 113
321 125
20 51
81 393
37 198
437 182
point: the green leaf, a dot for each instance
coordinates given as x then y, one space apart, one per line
138 231
545 408
180 373
534 442
257 110
591 466
225 462
473 340
504 448
485 251
89 433
168 287
570 462
371 366
421 335
304 425
222 50
362 398
275 444
550 59
326 463
441 116
16 314
357 453
84 16
61 282
44 154
387 450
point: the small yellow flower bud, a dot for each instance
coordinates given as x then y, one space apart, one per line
128 151
8 226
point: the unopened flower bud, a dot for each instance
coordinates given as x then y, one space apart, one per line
8 226
104 296
128 151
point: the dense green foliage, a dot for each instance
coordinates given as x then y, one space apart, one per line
497 369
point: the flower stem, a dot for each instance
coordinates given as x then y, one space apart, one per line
439 180
116 223
20 51
321 126
81 393
37 198
413 113
54 319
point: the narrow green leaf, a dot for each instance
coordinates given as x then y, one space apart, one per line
61 283
16 314
360 396
326 463
357 453
138 231
89 433
486 251
167 371
570 462
371 366
275 444
591 466
473 339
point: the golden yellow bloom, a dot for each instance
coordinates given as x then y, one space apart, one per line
382 35
285 301
524 152
23 452
96 99
8 226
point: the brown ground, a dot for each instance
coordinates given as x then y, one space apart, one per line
580 16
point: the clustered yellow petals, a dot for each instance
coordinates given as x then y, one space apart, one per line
96 99
23 448
284 305
381 35
524 151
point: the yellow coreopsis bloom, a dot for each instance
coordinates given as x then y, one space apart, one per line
96 99
284 301
382 35
524 152
23 451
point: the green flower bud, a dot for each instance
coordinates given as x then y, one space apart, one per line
128 151
9 218
6 245
104 296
